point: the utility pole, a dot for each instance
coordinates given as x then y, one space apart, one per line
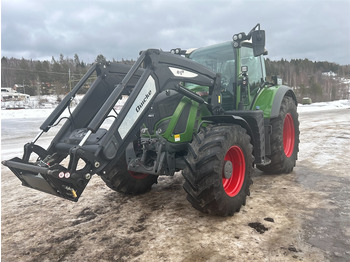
70 84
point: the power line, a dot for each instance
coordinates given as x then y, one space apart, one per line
35 71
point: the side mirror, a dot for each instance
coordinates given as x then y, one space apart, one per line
258 41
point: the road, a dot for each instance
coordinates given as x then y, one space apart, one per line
302 216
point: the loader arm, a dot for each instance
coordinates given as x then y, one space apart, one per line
82 138
163 71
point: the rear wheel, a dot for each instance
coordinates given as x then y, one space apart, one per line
284 139
218 175
127 182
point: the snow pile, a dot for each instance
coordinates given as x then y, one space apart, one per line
322 106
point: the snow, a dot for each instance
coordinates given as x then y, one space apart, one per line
323 106
330 73
45 112
25 113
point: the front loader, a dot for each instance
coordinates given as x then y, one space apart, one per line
209 113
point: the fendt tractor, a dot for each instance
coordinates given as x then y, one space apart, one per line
208 112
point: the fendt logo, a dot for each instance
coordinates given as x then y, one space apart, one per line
138 108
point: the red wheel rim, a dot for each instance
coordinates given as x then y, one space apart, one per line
138 175
288 135
233 185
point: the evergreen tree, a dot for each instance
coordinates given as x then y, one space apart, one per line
100 59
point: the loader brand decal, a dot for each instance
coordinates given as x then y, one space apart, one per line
139 105
138 108
182 73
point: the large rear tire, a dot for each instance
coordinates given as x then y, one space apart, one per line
218 176
284 139
127 182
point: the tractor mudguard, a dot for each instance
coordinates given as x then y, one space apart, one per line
228 119
253 122
269 100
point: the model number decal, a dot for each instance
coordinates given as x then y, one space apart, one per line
182 73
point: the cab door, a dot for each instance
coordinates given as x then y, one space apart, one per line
256 74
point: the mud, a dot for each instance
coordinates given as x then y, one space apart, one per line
260 228
306 213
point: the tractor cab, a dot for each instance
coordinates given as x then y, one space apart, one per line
238 87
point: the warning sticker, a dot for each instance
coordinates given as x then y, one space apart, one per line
177 138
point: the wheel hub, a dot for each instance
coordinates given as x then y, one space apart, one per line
228 169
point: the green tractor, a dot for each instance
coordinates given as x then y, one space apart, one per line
207 112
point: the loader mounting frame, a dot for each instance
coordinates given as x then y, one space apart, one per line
82 138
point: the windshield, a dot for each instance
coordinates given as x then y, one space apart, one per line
219 58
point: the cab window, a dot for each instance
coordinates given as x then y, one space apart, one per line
256 68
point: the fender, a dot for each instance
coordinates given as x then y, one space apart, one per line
269 100
229 119
253 122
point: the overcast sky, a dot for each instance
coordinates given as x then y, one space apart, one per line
39 29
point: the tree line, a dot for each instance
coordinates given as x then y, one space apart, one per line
58 76
320 81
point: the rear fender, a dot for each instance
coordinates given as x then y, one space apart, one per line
269 100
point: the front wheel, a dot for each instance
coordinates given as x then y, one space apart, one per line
127 182
218 175
284 139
